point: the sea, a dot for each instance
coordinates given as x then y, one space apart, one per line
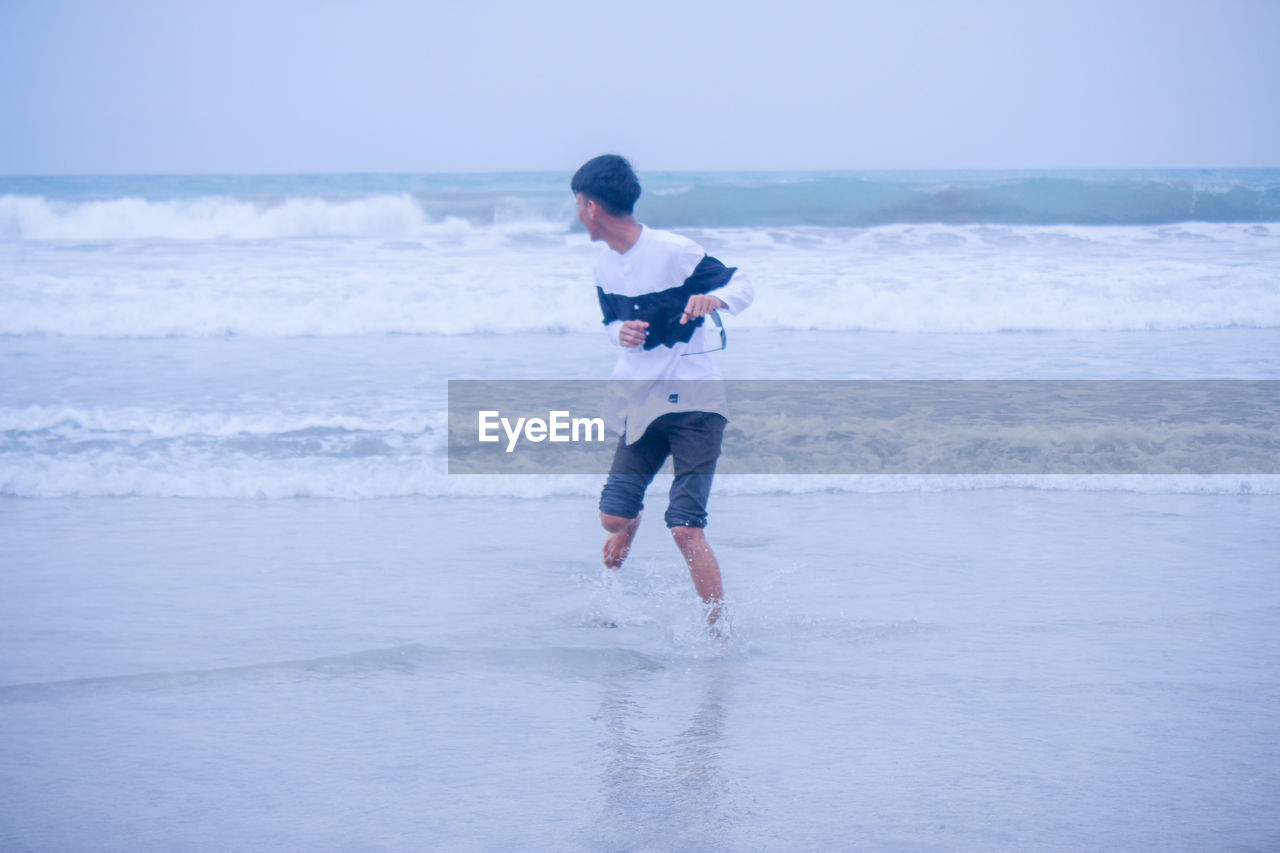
245 606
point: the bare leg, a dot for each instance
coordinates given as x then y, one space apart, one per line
703 568
618 544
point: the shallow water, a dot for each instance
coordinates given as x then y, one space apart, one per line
1095 670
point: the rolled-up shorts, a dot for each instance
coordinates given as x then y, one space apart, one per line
692 440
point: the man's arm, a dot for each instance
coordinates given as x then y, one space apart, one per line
734 297
737 295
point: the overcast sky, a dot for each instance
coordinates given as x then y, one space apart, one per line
400 86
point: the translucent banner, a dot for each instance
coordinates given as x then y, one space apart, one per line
881 427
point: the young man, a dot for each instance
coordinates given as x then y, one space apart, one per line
655 289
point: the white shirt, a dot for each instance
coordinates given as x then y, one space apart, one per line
641 385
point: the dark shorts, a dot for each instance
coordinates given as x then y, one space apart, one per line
692 440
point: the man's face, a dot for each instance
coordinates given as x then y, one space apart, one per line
587 216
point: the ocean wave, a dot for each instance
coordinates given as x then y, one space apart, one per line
140 423
210 219
407 206
62 452
114 475
462 279
862 202
215 219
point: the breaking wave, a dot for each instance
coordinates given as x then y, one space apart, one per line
401 206
53 452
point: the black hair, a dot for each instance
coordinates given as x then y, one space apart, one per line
609 181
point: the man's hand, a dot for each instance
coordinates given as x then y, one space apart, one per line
700 305
632 333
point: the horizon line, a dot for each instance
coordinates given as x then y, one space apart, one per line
757 171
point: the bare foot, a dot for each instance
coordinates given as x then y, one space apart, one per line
717 619
618 545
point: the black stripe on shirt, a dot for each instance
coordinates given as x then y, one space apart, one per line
662 309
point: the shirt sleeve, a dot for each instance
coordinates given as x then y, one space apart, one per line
614 330
737 294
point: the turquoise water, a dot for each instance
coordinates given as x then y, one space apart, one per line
728 199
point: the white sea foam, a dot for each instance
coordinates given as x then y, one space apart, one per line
975 279
458 278
210 218
53 452
150 424
193 472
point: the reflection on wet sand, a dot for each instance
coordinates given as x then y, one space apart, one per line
661 788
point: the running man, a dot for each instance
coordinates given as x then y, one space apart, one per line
655 289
